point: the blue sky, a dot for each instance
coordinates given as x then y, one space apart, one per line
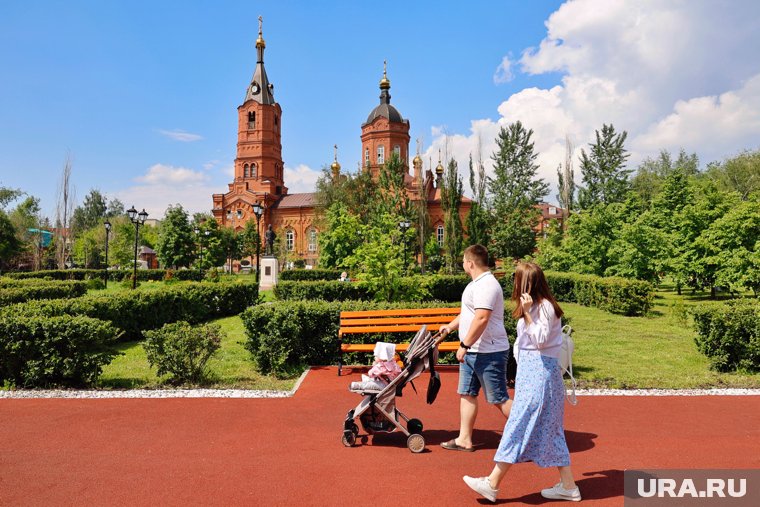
143 95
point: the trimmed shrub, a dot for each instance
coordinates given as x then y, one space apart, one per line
182 351
285 337
623 296
729 334
416 288
41 289
136 311
144 275
310 274
54 351
333 290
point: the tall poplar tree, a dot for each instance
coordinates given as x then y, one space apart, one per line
451 201
515 190
478 219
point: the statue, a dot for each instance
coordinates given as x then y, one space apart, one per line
269 237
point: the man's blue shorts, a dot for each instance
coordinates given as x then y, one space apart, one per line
487 370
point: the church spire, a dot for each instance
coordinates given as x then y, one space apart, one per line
385 85
260 89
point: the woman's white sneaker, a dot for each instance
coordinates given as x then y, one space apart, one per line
560 493
482 486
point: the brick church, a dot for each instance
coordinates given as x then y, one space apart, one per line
259 168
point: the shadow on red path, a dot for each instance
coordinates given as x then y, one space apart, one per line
287 451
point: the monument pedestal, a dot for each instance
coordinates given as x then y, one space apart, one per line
269 270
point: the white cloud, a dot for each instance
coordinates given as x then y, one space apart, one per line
164 185
300 179
181 135
671 73
503 72
166 174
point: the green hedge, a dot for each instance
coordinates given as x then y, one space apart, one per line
729 334
439 288
310 274
286 336
136 311
143 275
54 351
41 290
622 296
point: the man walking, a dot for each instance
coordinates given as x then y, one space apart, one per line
483 347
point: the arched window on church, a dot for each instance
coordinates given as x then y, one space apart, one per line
253 170
397 150
439 235
312 240
245 171
251 119
381 154
290 240
366 156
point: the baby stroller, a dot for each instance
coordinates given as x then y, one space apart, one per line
377 411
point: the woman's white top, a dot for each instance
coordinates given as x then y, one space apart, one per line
544 334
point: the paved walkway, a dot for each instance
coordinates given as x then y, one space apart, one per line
287 451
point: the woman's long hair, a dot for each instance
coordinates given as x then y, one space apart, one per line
530 278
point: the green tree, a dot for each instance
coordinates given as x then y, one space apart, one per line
590 235
10 245
639 250
740 174
230 244
478 223
175 246
515 190
731 245
605 178
92 212
451 200
343 234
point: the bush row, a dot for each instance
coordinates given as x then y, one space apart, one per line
310 274
729 334
439 288
143 275
42 290
134 312
286 336
54 351
622 296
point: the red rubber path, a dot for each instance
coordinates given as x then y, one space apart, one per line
287 451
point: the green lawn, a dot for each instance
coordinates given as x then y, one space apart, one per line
657 351
612 351
230 368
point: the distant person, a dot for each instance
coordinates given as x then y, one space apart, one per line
534 431
344 277
483 347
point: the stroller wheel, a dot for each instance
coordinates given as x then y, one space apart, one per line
355 429
414 426
415 443
348 438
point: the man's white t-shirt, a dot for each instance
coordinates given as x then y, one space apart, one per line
485 293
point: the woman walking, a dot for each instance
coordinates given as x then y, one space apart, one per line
534 431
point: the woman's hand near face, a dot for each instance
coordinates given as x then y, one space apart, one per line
526 302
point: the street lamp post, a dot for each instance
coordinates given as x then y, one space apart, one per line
197 232
258 210
107 224
404 225
138 219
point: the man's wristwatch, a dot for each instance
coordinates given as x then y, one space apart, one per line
465 347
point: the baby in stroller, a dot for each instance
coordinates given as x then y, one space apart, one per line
377 410
383 371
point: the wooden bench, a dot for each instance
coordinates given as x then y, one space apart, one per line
392 321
